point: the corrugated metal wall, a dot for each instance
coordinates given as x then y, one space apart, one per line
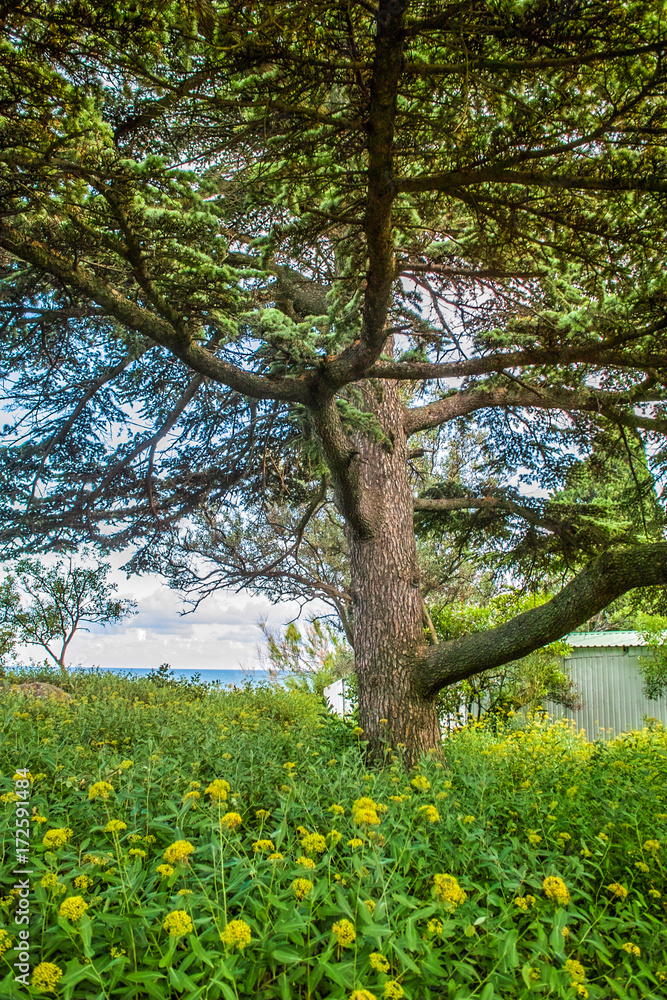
610 688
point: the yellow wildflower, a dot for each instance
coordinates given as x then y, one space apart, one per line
448 890
355 842
165 870
100 790
115 826
314 843
370 905
178 923
651 845
263 845
185 892
556 890
218 789
305 862
231 821
534 839
301 887
421 783
618 890
5 941
178 851
362 994
289 765
262 814
136 852
344 933
378 962
392 990
434 926
83 883
632 949
125 765
236 935
334 837
336 810
575 970
191 796
364 803
430 813
366 817
56 838
276 856
45 976
73 908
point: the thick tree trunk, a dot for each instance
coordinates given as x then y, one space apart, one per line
385 587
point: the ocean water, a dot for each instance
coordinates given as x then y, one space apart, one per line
226 678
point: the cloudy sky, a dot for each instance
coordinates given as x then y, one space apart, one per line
221 634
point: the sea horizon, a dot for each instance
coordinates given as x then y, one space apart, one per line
225 676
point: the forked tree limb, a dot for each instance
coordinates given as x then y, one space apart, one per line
599 583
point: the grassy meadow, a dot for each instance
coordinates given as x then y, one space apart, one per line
189 844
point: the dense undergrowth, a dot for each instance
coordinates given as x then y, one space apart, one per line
194 844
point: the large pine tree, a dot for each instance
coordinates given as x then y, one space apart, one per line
253 253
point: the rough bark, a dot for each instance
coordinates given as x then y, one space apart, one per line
387 601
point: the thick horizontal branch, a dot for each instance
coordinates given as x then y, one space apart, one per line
416 67
484 503
468 178
618 407
405 267
601 582
595 354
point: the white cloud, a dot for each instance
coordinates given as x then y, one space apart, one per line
221 634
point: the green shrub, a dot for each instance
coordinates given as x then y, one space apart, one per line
428 883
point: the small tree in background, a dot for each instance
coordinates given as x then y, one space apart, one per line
42 606
9 602
312 659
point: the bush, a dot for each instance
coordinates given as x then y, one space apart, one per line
235 845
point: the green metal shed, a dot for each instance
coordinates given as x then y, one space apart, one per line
605 668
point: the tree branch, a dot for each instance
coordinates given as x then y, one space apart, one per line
352 363
463 179
599 583
481 503
135 317
596 354
607 404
